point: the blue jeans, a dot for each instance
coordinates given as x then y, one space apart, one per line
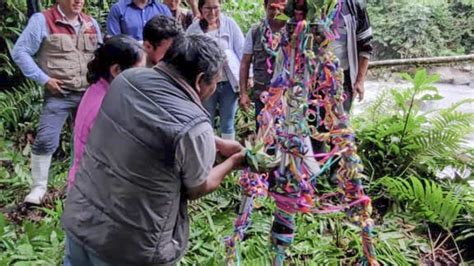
79 256
227 100
55 111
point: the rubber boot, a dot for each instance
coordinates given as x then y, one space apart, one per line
39 172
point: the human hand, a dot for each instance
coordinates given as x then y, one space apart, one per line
238 159
54 86
227 148
244 101
358 89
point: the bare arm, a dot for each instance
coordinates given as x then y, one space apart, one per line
363 67
227 147
359 84
244 76
195 157
364 47
216 176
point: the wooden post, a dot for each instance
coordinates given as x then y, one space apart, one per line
422 61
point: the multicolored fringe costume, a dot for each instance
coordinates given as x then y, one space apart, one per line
306 74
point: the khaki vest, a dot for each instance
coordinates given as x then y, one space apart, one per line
64 55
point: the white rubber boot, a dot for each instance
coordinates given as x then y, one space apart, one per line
230 136
39 172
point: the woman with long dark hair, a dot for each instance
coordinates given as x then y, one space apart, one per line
225 31
117 54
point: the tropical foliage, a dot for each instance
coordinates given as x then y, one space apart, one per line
397 136
420 219
406 29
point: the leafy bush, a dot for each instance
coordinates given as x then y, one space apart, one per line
407 29
36 244
12 20
425 200
20 105
320 239
245 12
397 137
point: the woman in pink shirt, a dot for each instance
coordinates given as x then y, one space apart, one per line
117 54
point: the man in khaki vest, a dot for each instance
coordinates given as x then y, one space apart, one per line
54 50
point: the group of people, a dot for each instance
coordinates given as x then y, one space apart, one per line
144 100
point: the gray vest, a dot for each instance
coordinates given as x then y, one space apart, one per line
261 76
260 69
128 204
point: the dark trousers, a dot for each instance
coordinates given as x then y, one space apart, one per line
55 111
257 90
320 147
258 107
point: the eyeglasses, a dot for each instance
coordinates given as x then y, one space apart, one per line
211 8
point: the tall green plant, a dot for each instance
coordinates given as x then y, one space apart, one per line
245 12
410 29
12 20
37 244
396 136
20 105
425 199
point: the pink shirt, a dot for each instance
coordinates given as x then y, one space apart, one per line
85 117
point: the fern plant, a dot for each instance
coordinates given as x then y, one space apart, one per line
464 226
397 137
21 104
425 199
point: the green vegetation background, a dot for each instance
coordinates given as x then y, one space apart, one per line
420 219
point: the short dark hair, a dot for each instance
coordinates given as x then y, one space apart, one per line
160 28
197 53
121 49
